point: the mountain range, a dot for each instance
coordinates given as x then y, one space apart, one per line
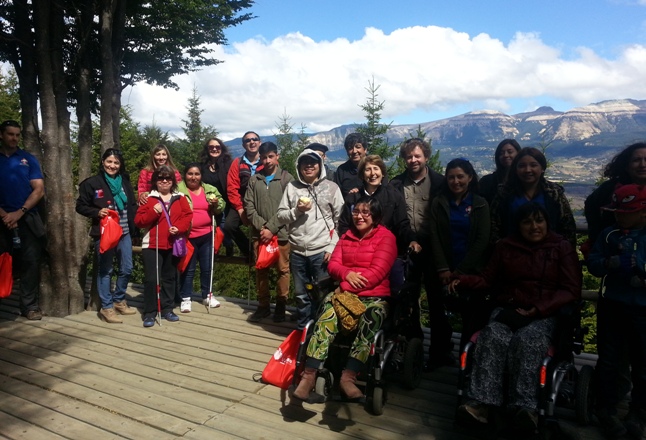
578 141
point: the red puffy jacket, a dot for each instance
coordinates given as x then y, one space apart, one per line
373 257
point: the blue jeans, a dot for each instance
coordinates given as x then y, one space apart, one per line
123 252
203 253
304 269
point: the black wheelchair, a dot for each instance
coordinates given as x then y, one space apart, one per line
397 350
561 383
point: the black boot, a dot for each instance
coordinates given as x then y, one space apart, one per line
279 312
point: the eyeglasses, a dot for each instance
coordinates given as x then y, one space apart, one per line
246 141
364 214
164 179
215 147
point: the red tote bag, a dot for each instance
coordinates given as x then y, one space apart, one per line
183 261
268 254
280 368
6 278
111 231
219 238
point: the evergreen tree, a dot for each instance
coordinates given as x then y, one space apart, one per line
195 134
9 96
374 130
289 145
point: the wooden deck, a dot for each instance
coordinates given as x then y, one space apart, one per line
80 378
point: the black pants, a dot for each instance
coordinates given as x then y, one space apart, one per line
232 228
438 322
26 261
621 335
167 278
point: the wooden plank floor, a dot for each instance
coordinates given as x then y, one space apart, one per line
80 378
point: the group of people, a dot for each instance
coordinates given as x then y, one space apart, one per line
509 236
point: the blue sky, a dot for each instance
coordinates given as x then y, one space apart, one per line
432 59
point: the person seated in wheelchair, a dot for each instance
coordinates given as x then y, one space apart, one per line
361 261
534 273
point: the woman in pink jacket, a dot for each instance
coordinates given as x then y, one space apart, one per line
361 260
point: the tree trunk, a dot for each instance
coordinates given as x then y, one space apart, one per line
108 139
61 293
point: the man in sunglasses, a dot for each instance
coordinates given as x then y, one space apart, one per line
241 170
21 230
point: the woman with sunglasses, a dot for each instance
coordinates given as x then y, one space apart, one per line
111 189
215 161
361 261
165 215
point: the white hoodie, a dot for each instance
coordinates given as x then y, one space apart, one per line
314 231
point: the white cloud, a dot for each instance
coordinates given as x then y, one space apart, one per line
428 69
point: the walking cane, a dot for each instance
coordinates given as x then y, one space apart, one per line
157 273
208 304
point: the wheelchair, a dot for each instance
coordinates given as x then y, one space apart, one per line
561 384
396 349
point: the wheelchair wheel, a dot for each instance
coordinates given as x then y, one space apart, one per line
584 395
413 364
378 400
322 386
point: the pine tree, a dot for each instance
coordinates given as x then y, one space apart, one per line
373 129
195 134
289 144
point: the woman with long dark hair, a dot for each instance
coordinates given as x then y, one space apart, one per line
489 185
111 189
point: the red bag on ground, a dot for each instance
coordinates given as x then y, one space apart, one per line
267 254
183 262
6 278
219 238
111 231
279 371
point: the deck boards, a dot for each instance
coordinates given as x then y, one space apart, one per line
80 378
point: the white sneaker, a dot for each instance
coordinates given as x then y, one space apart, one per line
214 302
185 307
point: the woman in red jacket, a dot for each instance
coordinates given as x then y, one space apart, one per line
535 272
157 252
361 260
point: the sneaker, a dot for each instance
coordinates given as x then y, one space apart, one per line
110 316
214 303
259 314
474 411
123 308
33 315
149 322
610 425
185 307
170 316
634 422
526 420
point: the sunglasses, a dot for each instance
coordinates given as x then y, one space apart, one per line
246 141
164 179
215 147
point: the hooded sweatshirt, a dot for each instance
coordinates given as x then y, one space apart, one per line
314 231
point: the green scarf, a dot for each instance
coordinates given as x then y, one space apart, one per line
116 188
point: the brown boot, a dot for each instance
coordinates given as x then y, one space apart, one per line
109 316
347 385
306 384
123 308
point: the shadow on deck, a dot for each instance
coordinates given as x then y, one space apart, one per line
78 377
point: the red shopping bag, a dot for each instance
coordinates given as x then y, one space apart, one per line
111 231
267 254
6 278
183 261
279 371
219 237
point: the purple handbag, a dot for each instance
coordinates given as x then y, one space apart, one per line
179 241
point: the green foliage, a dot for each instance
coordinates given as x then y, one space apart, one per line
9 96
187 150
373 130
289 144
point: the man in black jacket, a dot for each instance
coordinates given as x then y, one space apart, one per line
419 184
